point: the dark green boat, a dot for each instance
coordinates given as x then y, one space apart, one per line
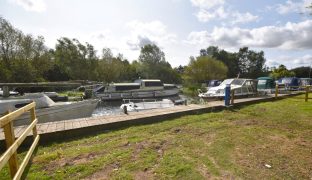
265 84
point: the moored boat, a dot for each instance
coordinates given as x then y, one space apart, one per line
142 88
240 86
145 104
47 110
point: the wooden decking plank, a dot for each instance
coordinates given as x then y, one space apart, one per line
76 124
22 129
60 126
68 125
83 123
42 127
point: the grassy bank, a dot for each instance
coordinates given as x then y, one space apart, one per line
228 144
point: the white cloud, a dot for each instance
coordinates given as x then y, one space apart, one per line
31 5
146 33
293 6
290 61
218 10
204 15
206 4
243 17
290 36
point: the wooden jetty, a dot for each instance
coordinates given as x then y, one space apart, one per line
60 130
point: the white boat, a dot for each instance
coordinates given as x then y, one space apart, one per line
241 87
145 104
142 88
46 109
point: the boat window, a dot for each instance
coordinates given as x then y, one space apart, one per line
227 81
125 88
153 83
262 81
237 81
20 105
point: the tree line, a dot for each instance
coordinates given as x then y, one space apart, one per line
25 58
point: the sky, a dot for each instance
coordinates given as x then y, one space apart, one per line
282 29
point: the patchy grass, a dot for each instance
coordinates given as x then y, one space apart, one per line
71 93
230 144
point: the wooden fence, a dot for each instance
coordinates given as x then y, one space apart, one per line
10 155
306 89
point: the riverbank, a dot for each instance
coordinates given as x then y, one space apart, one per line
261 141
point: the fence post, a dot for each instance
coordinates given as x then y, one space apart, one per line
307 94
276 91
9 140
33 117
232 97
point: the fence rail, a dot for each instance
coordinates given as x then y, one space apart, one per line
10 155
306 89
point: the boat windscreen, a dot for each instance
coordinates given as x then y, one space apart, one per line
227 81
238 81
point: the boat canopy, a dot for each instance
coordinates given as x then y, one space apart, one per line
265 83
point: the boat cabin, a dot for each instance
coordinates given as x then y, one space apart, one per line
265 83
147 84
305 81
289 83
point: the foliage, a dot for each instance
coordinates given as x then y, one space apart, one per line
204 68
281 72
250 63
303 72
244 63
24 58
153 65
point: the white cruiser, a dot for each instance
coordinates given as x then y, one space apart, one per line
141 88
241 87
46 109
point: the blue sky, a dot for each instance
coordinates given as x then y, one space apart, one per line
282 29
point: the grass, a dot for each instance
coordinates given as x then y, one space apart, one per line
234 143
71 93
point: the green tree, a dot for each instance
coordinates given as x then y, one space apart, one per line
281 72
204 68
302 72
75 59
251 64
153 65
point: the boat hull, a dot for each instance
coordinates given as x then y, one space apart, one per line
60 112
137 94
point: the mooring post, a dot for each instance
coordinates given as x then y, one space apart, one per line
276 91
227 95
232 97
125 110
6 91
307 93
